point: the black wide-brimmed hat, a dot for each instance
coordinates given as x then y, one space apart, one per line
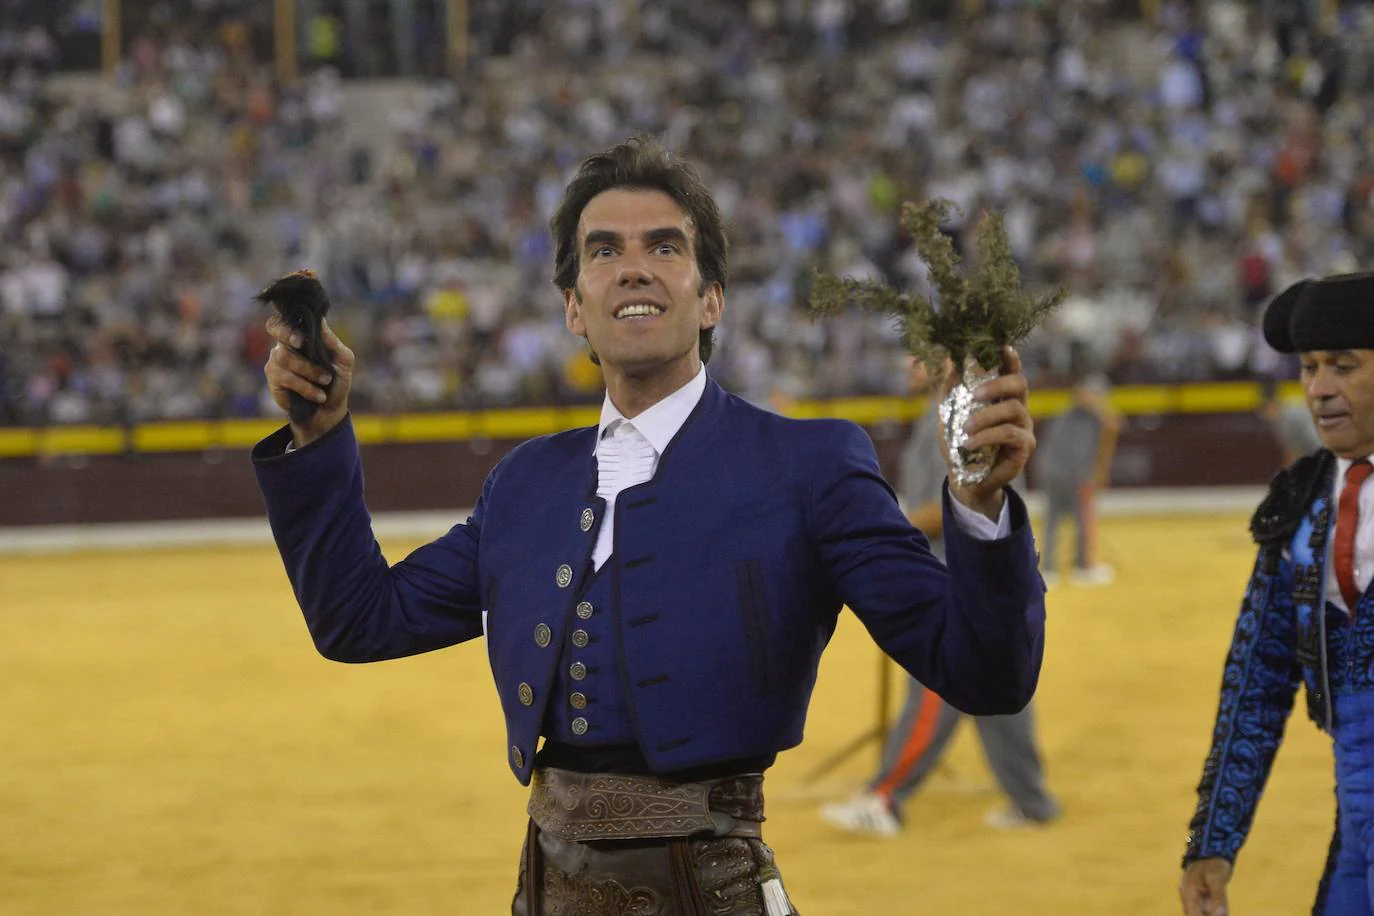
1333 313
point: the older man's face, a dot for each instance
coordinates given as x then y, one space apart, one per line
1339 385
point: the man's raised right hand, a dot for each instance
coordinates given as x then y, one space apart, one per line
288 371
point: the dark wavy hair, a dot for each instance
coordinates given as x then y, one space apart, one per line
641 164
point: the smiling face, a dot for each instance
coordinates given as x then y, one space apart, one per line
1339 385
639 299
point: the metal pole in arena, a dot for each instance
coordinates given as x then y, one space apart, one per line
457 36
284 40
110 36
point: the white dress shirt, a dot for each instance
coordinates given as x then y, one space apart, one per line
1364 537
627 453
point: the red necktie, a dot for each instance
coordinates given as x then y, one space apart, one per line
1347 521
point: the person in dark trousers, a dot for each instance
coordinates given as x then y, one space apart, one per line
927 724
655 591
1307 615
1074 464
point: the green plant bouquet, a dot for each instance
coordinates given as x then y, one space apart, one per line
974 315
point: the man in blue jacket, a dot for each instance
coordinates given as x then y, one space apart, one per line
656 591
1308 612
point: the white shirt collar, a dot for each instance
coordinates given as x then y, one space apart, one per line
660 423
1343 468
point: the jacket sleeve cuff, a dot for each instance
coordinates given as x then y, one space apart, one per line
977 525
273 449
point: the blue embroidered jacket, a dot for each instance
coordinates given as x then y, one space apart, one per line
1286 633
728 572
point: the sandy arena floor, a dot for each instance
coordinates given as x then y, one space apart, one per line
173 745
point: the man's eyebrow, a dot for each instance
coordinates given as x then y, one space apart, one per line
666 234
601 237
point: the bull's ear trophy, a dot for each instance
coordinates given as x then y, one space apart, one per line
972 317
302 302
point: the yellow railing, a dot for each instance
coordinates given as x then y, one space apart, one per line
524 422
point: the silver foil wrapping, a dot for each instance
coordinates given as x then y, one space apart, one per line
969 466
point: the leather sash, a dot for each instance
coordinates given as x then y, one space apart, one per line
581 807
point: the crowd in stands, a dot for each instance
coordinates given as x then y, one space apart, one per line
1172 164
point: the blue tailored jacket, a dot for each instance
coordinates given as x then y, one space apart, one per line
1287 634
729 570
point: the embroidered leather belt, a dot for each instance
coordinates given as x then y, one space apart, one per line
578 807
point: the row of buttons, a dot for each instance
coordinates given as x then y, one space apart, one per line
543 636
578 671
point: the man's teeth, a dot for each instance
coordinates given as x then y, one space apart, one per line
635 311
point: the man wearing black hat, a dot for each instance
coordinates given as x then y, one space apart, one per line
1308 613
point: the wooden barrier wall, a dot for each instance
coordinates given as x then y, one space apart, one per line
1172 450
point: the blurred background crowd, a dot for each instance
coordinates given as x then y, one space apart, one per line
1173 164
